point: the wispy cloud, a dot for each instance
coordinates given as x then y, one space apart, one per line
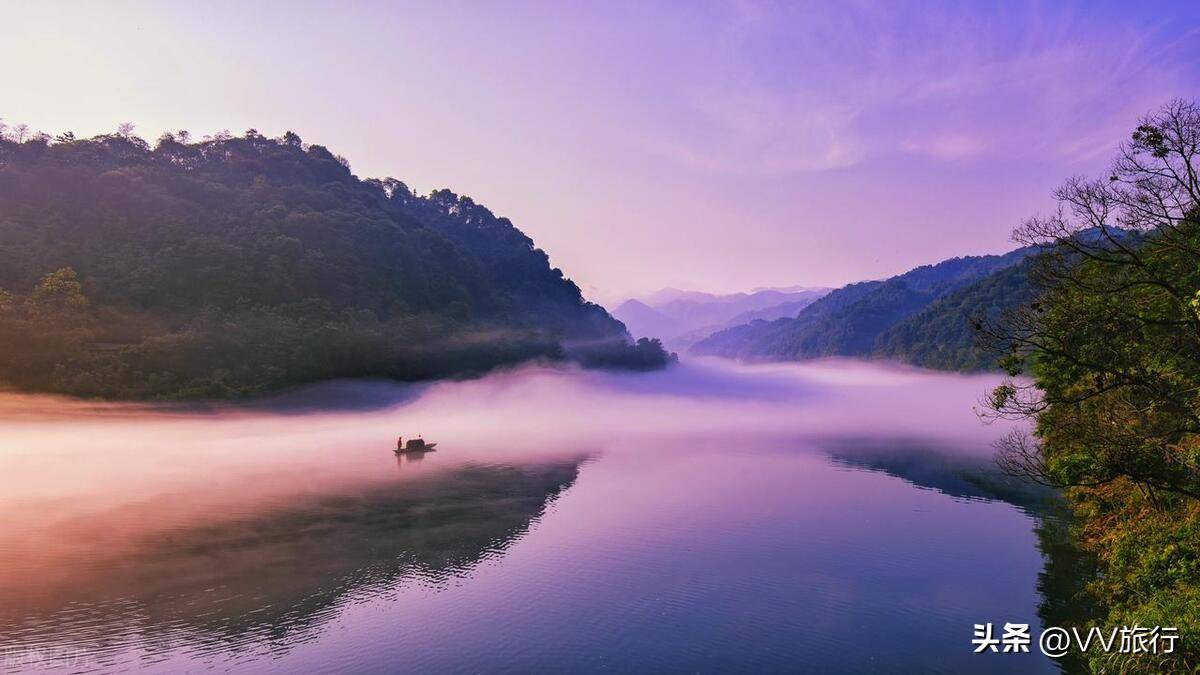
819 86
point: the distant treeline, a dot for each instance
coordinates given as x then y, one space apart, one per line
231 266
924 317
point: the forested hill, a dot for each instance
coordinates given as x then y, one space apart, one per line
235 265
920 317
943 336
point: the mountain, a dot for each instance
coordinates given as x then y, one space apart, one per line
941 336
682 318
783 309
666 295
642 319
857 320
232 266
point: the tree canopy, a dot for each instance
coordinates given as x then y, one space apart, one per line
1112 339
234 265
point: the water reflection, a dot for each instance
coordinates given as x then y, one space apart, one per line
928 465
281 572
406 458
1061 583
714 517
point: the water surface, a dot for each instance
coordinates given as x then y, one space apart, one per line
835 516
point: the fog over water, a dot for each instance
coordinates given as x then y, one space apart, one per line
709 517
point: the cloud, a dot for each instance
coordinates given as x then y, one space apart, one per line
760 131
815 87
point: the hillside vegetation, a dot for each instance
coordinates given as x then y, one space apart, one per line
1113 343
943 335
923 317
232 266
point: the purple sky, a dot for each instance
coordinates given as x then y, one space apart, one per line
719 146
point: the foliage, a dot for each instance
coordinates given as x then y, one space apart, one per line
645 354
1113 341
858 319
943 335
234 265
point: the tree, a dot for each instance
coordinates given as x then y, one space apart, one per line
1112 340
236 266
60 290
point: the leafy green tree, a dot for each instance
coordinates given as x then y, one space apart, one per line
1112 340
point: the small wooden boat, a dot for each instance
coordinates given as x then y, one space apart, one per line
413 445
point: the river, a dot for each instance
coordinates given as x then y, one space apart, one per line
831 516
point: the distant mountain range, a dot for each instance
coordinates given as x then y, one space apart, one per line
920 317
681 318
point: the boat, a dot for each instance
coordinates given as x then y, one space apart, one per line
413 445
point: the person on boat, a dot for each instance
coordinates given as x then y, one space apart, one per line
417 444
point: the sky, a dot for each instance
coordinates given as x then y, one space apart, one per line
719 146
